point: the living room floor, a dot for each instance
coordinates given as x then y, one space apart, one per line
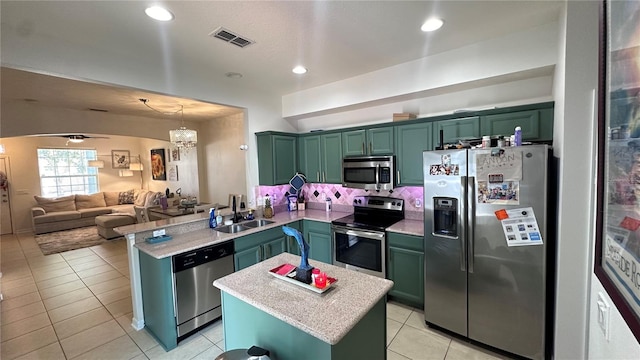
77 305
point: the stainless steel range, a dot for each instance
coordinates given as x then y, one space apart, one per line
359 240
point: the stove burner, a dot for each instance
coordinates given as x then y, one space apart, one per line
373 213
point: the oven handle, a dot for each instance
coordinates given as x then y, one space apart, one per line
361 233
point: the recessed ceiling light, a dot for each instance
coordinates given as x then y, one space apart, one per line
158 13
299 69
432 25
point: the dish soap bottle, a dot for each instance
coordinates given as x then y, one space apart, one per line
212 218
268 210
218 218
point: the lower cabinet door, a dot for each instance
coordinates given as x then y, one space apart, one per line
319 246
274 247
406 270
248 257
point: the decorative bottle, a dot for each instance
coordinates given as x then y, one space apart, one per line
212 218
268 210
518 136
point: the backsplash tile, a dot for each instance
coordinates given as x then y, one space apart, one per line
341 195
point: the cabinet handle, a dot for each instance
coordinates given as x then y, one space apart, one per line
260 253
363 148
398 177
267 251
324 177
370 148
318 176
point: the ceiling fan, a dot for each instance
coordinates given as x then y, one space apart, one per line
76 138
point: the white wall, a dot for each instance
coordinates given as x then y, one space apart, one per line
578 333
516 56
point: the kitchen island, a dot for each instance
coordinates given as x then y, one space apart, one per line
347 321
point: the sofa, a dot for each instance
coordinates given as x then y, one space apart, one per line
74 211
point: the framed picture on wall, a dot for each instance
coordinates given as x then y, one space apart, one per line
175 154
120 159
172 172
158 165
617 260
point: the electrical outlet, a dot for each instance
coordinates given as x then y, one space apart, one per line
417 202
603 315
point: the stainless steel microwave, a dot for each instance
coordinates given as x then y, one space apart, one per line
369 172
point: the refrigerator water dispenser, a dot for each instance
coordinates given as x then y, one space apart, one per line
445 217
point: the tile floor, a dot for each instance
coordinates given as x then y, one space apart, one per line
77 305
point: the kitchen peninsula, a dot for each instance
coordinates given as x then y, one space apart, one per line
191 232
347 321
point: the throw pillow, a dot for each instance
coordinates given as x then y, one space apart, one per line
111 198
139 197
64 203
125 197
153 198
90 201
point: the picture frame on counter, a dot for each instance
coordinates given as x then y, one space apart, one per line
617 243
120 159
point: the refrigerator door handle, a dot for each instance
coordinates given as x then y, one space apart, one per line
463 223
472 219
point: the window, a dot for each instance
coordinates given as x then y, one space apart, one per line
65 172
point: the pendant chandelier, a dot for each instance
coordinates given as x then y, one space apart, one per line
182 137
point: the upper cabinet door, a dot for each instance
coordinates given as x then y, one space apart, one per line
377 141
537 125
380 141
276 158
331 158
411 141
310 157
354 143
455 129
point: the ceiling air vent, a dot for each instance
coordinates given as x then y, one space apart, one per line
231 37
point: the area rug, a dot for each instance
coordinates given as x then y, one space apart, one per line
66 240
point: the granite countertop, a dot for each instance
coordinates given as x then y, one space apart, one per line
328 316
198 238
408 227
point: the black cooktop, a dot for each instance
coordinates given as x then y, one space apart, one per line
373 213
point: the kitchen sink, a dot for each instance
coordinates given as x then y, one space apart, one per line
232 229
257 223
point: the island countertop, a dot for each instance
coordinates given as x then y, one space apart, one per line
328 316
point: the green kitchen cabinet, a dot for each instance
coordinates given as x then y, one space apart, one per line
251 249
405 268
321 158
455 129
537 125
292 244
374 141
318 235
277 157
411 141
156 279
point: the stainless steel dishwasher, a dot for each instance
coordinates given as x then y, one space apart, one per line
197 301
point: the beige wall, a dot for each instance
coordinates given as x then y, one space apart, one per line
224 164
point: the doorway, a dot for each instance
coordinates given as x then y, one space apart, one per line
5 202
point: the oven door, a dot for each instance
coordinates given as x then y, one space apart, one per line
360 250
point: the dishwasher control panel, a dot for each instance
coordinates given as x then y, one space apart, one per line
200 256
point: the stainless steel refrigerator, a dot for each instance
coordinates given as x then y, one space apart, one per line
488 248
